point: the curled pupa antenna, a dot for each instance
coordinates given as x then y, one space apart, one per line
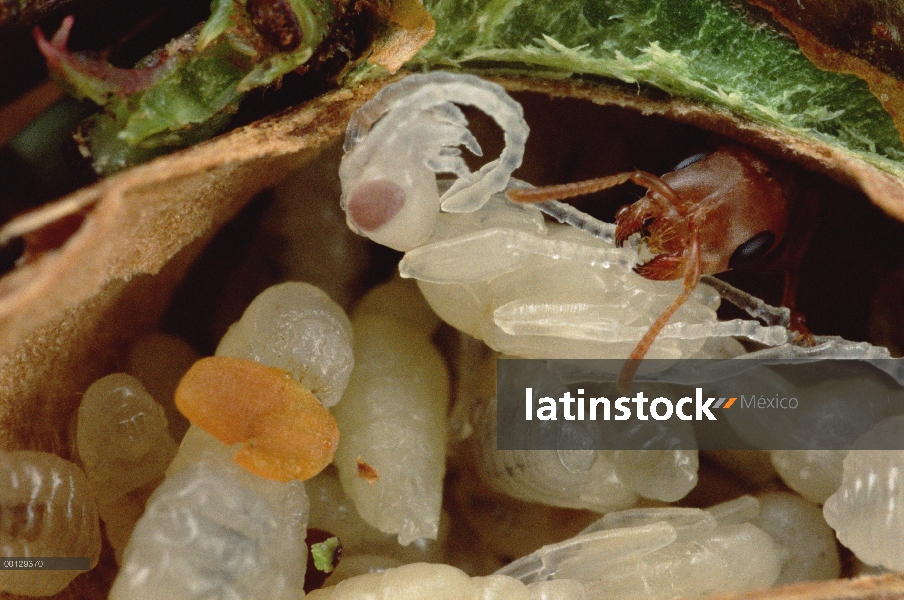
410 131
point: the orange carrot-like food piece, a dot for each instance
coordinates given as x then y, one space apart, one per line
286 432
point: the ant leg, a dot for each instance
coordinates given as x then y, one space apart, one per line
692 274
798 323
805 213
580 188
568 190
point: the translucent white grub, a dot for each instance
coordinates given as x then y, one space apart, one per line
545 290
198 446
798 525
867 511
333 511
205 535
422 581
212 529
297 327
47 509
814 474
569 479
411 130
392 420
124 444
658 553
399 300
313 243
159 361
121 436
666 475
491 529
360 564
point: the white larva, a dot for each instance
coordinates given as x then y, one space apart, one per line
393 415
295 326
48 510
124 444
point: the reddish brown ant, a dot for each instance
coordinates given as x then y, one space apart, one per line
713 213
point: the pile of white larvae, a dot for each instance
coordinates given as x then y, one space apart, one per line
213 529
193 524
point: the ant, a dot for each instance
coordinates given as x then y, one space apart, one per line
714 212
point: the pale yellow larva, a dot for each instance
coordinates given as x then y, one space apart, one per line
46 509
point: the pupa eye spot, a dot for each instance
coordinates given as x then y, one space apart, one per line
412 130
375 203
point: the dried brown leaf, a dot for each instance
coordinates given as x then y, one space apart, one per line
884 189
65 314
882 587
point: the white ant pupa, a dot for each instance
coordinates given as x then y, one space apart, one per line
410 131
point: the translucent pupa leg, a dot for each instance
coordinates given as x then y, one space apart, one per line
753 306
448 164
569 215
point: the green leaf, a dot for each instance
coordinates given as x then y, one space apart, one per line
188 96
324 554
186 91
699 49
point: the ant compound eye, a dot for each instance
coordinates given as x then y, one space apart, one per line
754 248
375 203
691 160
645 226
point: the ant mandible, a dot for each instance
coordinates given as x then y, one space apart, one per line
715 212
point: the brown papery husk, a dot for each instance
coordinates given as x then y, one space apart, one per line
67 316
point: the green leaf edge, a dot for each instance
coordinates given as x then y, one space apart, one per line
649 43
